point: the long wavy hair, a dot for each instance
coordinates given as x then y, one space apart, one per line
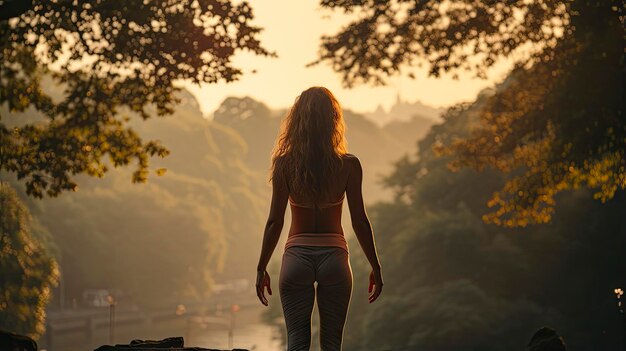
309 149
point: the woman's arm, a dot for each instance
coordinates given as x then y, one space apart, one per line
360 221
275 221
362 227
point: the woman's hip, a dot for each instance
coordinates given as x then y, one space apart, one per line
303 265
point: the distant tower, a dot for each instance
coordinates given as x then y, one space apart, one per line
398 97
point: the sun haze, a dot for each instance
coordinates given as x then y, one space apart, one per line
293 29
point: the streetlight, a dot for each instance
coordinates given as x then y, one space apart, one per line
620 306
111 302
233 309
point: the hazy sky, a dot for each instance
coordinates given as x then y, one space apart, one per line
293 29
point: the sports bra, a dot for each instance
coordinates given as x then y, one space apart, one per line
317 239
321 205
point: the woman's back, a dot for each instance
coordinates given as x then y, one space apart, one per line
325 215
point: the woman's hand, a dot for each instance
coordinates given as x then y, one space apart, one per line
376 282
262 281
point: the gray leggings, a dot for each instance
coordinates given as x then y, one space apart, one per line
301 267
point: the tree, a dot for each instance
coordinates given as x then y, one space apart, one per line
457 283
557 123
110 58
28 269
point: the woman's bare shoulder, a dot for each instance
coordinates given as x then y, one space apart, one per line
351 157
352 161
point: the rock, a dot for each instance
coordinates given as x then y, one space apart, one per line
15 342
546 339
170 344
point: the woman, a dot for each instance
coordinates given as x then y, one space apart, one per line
311 169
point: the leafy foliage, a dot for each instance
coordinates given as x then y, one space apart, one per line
28 269
108 58
444 34
557 122
454 282
168 240
559 125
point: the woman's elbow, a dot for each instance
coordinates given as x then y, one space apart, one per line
360 224
275 223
